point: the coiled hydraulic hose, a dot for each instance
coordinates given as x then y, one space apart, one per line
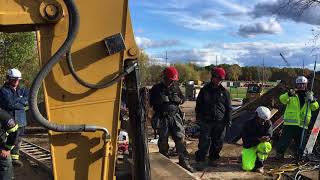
126 71
72 32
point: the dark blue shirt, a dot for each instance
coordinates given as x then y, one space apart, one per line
14 102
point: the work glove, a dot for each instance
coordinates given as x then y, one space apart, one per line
175 98
23 101
229 124
309 96
291 92
164 99
264 139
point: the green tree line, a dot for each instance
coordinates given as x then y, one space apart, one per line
18 50
151 73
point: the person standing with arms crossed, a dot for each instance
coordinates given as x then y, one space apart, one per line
14 100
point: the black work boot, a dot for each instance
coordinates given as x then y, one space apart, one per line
200 158
260 170
213 160
279 156
212 163
184 162
17 163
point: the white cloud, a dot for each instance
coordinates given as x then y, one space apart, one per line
168 4
295 10
197 15
202 57
245 54
250 30
231 5
178 4
252 53
145 43
208 15
186 20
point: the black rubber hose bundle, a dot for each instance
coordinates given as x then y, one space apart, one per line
72 32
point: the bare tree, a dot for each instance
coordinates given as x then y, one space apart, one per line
297 6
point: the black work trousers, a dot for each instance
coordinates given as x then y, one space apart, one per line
289 132
211 136
15 154
6 169
172 125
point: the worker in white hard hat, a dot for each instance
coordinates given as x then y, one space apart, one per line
296 107
14 100
256 135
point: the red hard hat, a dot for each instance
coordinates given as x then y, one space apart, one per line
171 73
218 71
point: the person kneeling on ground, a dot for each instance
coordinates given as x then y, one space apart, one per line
256 140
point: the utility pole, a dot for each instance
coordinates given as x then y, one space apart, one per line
216 60
303 67
166 58
316 56
262 71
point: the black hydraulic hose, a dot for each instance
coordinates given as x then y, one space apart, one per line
126 71
72 32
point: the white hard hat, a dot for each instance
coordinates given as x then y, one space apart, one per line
263 112
301 80
123 136
14 74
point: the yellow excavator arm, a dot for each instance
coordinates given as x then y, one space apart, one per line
86 48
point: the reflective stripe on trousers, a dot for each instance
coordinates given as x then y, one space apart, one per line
14 156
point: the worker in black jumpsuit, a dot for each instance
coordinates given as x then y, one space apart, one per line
165 99
213 115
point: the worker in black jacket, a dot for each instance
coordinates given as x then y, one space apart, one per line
213 114
8 138
256 136
165 99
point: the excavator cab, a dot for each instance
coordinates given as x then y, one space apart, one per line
254 91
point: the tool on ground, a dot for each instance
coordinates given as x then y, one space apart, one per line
312 138
300 150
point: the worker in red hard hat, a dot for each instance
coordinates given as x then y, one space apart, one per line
213 115
165 99
170 74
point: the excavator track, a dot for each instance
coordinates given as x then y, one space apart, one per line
37 155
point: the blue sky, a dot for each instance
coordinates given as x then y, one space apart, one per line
235 31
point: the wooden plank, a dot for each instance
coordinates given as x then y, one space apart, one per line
273 112
313 136
163 168
310 174
277 123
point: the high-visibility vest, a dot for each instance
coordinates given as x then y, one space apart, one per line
294 114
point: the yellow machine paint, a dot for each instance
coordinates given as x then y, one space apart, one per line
78 155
